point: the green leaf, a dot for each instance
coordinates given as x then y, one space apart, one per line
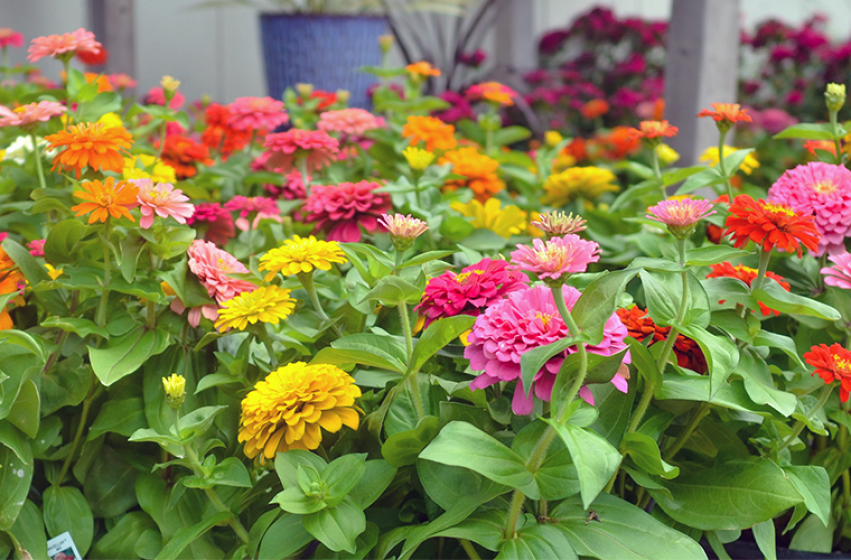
765 539
463 445
423 258
26 340
230 472
813 483
402 448
596 460
598 302
622 531
381 346
510 135
126 354
809 131
341 476
645 452
485 529
121 540
284 538
339 356
706 178
447 484
110 484
760 386
184 537
62 239
287 464
436 336
733 161
24 413
375 480
734 494
775 297
664 294
35 274
537 541
337 527
722 356
714 254
390 291
813 536
66 509
15 475
121 417
28 530
531 361
644 362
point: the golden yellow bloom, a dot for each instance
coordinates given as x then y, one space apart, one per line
175 390
269 304
111 120
287 409
562 162
505 222
710 156
54 273
578 182
301 254
137 167
667 155
552 138
418 158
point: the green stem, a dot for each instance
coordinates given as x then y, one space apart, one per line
469 549
39 168
722 166
543 509
837 144
406 329
162 146
764 258
799 425
654 157
263 336
81 426
306 280
699 413
558 296
514 514
107 276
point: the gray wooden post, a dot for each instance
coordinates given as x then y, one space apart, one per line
515 36
113 25
702 68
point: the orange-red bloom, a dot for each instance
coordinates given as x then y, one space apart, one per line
434 132
423 68
813 145
651 130
10 275
220 135
492 91
747 275
106 199
832 363
90 144
183 154
641 327
595 108
769 225
726 114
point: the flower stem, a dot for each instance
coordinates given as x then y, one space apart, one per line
406 329
306 280
107 276
764 258
162 147
698 415
558 296
722 166
263 336
38 164
800 424
654 157
84 415
514 513
468 548
837 144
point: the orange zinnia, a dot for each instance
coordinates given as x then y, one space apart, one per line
726 114
492 91
595 108
106 199
10 275
652 130
768 225
422 69
434 132
96 145
479 169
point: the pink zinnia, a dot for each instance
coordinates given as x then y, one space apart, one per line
163 200
292 188
30 113
36 247
477 286
286 148
212 265
257 113
839 274
121 81
525 320
353 121
261 206
57 45
214 221
823 190
557 256
156 96
681 214
342 208
10 38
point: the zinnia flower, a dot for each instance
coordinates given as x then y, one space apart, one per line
524 320
287 409
594 109
214 221
352 121
681 214
710 156
341 209
93 145
212 266
11 38
31 113
62 46
832 363
183 155
436 134
286 148
257 113
301 255
641 327
839 274
417 158
652 132
556 224
268 304
291 189
220 135
747 275
109 198
769 225
260 206
823 190
578 182
553 258
161 172
726 115
475 288
36 247
424 69
479 169
121 81
163 200
10 275
504 222
494 92
156 96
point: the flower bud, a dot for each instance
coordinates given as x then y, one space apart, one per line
386 42
418 158
552 138
175 390
403 230
666 154
304 90
557 224
343 95
834 97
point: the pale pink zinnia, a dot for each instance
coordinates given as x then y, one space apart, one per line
839 274
11 38
680 213
399 225
58 45
261 206
257 113
212 266
30 113
823 190
341 209
352 121
557 256
163 200
524 320
286 148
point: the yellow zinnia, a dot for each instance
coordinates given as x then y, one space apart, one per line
710 156
162 173
667 155
175 390
505 222
111 120
269 304
301 254
418 158
287 409
578 182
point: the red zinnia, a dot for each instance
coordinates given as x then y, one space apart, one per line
220 135
832 363
747 275
183 154
641 327
770 225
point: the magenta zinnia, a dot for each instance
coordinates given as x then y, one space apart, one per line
471 291
342 209
556 257
524 320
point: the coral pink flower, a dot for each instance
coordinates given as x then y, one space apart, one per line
406 227
823 190
212 265
557 256
11 38
353 121
156 96
58 45
478 286
30 113
214 221
839 274
260 206
524 320
36 247
342 208
121 81
211 312
163 200
292 188
680 212
287 147
257 113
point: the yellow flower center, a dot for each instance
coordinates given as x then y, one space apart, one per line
21 109
749 270
824 187
544 317
464 275
778 209
841 365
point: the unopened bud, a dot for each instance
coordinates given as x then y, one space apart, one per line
304 90
386 42
175 390
834 97
169 84
343 95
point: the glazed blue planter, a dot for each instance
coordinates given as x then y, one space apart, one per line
323 50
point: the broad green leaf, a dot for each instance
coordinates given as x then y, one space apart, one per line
35 274
126 354
706 178
775 297
423 258
120 541
337 527
445 484
284 538
384 347
664 293
813 483
25 339
66 509
537 541
376 478
531 361
28 530
110 484
722 356
486 529
644 362
339 356
760 386
599 301
809 131
436 336
713 254
393 290
24 413
123 417
184 537
764 535
402 448
230 472
733 161
288 462
342 475
15 476
645 452
813 536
